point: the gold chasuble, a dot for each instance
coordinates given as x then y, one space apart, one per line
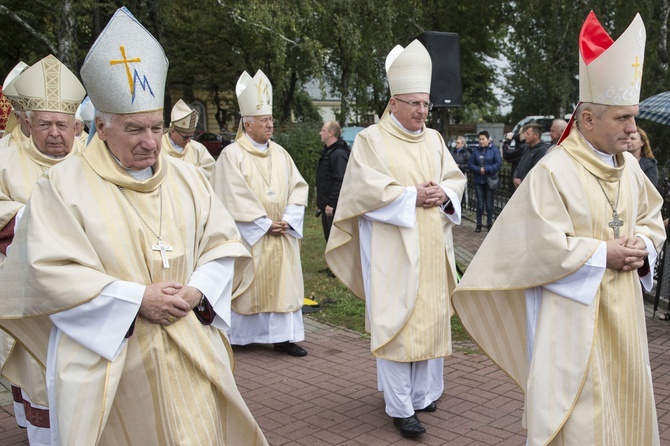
254 184
169 385
194 153
589 381
412 270
14 137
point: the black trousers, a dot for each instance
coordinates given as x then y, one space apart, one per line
327 222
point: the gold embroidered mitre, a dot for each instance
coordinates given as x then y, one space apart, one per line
254 94
49 86
125 69
184 118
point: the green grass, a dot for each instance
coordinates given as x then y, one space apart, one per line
337 305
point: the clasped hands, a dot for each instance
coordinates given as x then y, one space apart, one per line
165 302
429 194
278 228
626 253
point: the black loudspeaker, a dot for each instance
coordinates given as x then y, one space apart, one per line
445 51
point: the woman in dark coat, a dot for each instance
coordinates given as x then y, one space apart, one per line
484 162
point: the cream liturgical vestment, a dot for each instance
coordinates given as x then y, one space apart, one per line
20 167
166 384
412 268
589 380
16 136
252 185
194 153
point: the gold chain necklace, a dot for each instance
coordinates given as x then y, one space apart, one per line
159 246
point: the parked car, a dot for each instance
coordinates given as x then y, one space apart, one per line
544 121
212 142
471 141
349 134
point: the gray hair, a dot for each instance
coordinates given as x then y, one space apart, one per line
598 111
461 138
105 117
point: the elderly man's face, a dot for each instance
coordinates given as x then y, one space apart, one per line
52 132
556 131
78 127
259 128
135 139
611 132
411 116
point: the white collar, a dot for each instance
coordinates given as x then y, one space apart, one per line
139 175
176 146
411 132
606 157
257 145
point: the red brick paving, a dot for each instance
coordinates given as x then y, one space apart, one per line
330 396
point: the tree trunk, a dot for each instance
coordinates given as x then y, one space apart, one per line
67 39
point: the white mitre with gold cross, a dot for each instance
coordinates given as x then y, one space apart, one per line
254 94
125 69
49 86
409 70
183 118
610 72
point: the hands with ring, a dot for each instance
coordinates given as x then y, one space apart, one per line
165 303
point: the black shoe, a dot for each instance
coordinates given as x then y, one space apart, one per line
290 348
432 407
409 427
488 227
327 272
478 228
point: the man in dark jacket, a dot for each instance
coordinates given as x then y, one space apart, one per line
536 150
330 172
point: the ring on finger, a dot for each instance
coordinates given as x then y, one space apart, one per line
171 318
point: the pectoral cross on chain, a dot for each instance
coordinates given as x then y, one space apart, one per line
164 248
615 224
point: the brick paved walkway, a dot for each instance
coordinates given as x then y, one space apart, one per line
329 397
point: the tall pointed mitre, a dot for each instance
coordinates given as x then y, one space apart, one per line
184 118
8 88
86 112
125 69
49 86
254 95
409 70
10 94
610 72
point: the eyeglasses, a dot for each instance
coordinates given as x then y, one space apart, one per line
417 104
266 121
184 136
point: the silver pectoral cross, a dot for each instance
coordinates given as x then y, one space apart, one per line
163 249
615 223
